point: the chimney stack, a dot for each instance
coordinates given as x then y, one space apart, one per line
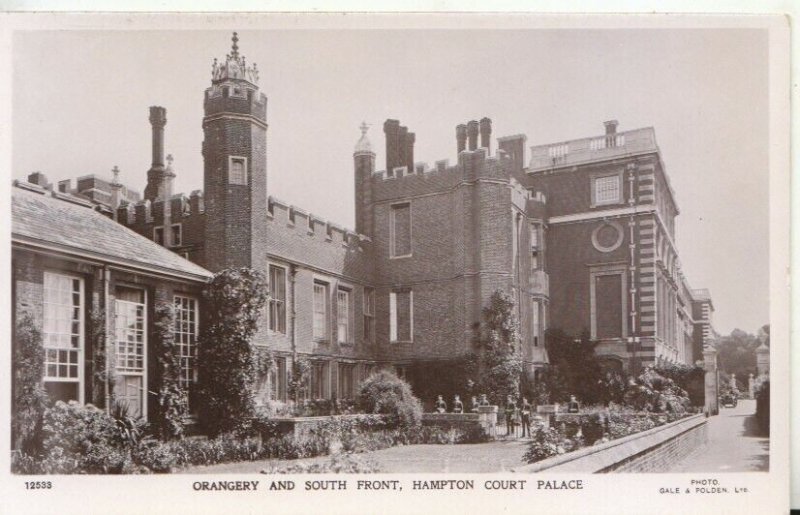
409 151
155 176
39 179
611 133
461 137
472 134
391 129
486 134
158 119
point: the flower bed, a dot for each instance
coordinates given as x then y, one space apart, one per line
593 426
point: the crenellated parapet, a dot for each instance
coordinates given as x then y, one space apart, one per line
303 224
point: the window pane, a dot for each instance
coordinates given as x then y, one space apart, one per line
62 328
606 189
401 230
343 316
320 310
608 300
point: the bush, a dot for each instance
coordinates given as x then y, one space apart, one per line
81 440
385 393
545 442
29 395
689 378
343 463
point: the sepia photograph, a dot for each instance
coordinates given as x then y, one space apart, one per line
447 257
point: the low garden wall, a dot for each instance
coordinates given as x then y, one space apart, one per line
302 427
485 418
648 451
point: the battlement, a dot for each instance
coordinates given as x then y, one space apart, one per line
146 212
441 167
309 225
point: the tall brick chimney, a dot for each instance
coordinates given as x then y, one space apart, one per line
155 176
611 133
514 147
461 137
472 134
364 162
409 151
486 134
391 128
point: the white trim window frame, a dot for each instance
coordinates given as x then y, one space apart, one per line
393 209
187 325
63 331
368 310
394 329
321 311
277 299
237 176
606 189
344 329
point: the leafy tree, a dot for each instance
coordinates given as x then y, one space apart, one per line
228 363
30 398
575 369
500 363
737 354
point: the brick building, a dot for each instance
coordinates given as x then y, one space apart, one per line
582 236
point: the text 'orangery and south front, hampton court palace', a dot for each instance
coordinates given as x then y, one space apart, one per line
580 233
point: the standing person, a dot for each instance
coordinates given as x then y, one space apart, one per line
458 406
511 409
441 406
526 417
474 404
573 406
484 400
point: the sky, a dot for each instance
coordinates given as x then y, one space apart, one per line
80 105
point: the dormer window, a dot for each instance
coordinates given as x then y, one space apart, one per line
237 170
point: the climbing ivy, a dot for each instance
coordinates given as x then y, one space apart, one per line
29 395
228 362
172 401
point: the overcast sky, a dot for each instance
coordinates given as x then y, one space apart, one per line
80 106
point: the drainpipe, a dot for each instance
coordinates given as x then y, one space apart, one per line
293 315
106 280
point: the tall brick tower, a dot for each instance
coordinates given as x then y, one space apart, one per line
364 161
235 165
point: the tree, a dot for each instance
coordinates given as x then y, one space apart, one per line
737 354
228 364
575 369
500 364
387 394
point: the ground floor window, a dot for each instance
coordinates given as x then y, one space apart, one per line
277 380
319 380
186 329
63 336
347 384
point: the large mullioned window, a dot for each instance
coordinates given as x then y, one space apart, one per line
186 324
320 311
63 335
277 301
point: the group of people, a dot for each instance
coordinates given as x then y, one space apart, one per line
458 405
513 413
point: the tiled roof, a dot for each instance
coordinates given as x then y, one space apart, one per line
41 219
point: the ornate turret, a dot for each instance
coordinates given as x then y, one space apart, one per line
235 67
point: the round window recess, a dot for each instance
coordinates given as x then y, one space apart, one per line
607 236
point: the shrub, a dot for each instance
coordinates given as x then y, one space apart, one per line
82 440
545 442
228 364
29 395
387 394
689 378
342 463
